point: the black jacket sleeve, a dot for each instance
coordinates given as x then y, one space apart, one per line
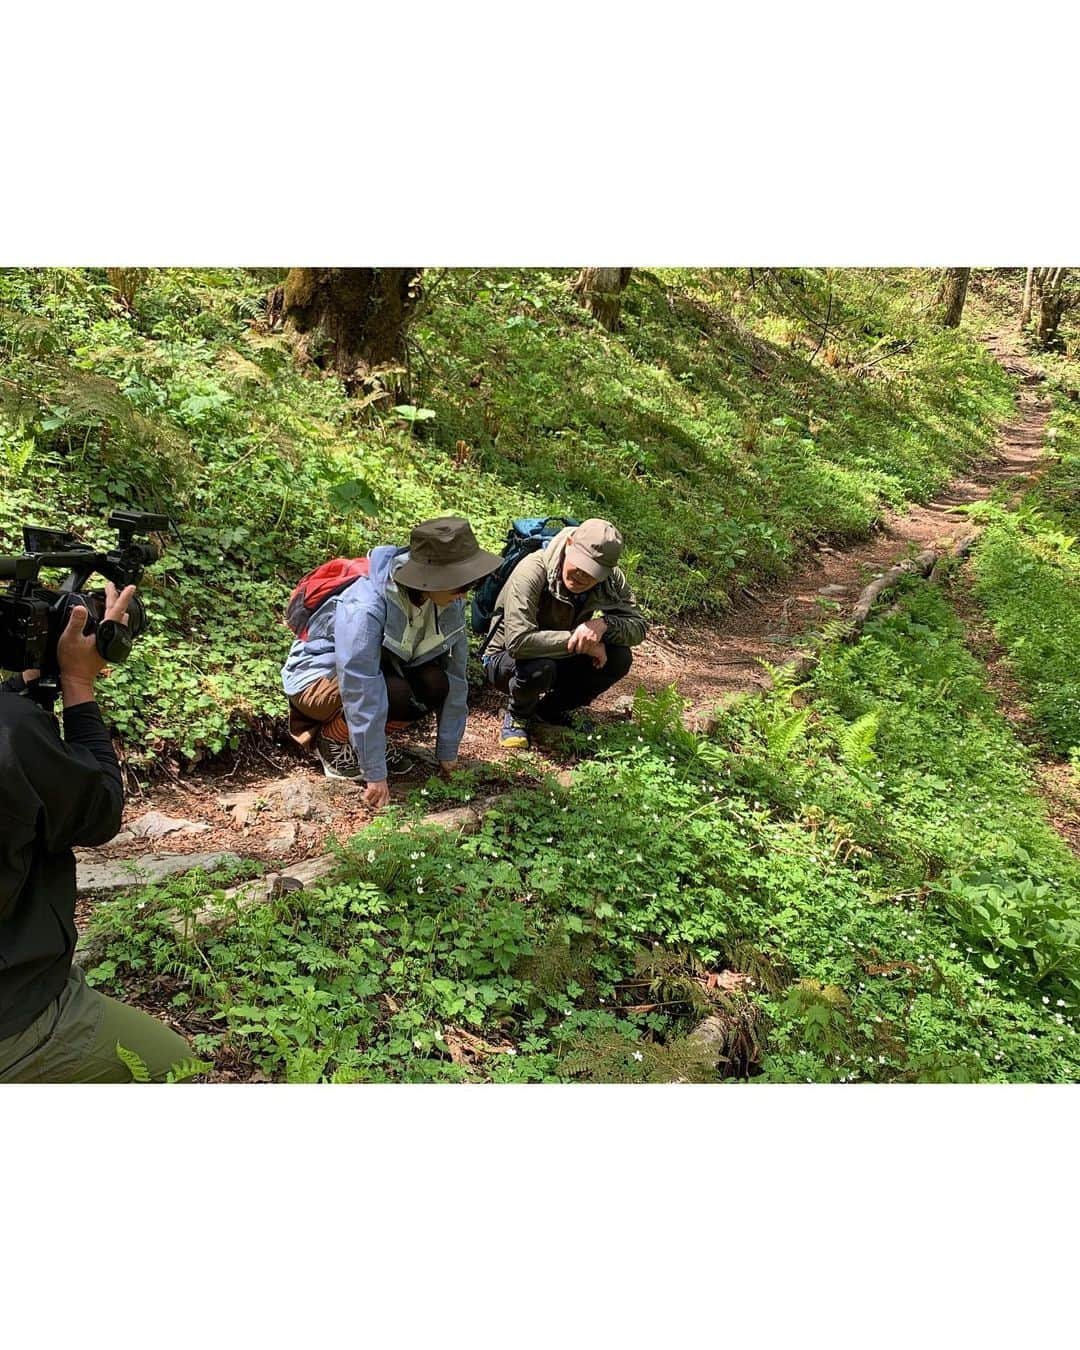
87 743
64 792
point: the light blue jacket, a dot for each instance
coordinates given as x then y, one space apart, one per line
345 638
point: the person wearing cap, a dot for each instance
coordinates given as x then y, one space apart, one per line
388 650
562 629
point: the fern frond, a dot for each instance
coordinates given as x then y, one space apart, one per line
856 740
660 714
783 736
27 332
188 1068
783 679
136 1066
831 631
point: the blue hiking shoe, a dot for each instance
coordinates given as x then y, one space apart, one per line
514 734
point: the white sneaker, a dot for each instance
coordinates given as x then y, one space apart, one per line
338 759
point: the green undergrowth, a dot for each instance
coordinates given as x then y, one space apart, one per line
868 849
735 418
1027 576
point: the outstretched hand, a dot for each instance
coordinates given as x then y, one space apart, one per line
377 795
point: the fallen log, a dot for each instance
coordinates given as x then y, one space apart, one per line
921 565
801 665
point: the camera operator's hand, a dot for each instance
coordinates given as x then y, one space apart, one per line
77 654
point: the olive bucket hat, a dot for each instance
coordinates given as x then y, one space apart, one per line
444 556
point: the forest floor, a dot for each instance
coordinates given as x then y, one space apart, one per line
284 810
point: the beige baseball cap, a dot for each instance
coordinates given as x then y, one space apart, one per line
595 548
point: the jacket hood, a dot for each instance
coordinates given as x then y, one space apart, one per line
382 560
553 559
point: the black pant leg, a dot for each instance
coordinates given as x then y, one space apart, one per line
578 681
412 691
429 683
525 681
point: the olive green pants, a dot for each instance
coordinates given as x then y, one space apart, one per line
75 1038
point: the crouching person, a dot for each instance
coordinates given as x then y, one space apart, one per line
384 652
56 793
562 629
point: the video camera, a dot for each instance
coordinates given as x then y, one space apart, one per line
32 617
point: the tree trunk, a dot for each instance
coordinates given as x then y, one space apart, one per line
601 288
352 319
1025 307
1051 304
952 294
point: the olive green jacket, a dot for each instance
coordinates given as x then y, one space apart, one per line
535 613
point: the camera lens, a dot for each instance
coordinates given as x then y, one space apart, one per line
66 601
136 617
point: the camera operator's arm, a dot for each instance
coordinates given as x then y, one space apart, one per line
84 732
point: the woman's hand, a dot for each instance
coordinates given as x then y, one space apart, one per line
377 795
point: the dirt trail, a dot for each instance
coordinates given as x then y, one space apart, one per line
707 660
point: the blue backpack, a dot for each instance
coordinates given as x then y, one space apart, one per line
524 537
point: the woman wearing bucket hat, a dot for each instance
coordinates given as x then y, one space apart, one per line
385 651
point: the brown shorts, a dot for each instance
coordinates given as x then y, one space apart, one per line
411 693
316 710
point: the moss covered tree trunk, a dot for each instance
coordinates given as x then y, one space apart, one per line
1052 302
600 289
351 319
952 294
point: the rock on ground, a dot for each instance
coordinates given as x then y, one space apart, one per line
155 824
92 875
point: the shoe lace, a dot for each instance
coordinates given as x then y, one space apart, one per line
340 755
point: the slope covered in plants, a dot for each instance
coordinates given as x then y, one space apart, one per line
735 417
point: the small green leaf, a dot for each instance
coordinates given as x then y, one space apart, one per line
353 494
